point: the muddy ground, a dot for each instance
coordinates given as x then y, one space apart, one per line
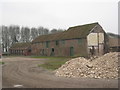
25 73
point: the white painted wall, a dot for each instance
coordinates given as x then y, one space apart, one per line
92 39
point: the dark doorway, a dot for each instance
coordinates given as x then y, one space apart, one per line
52 52
71 51
52 49
29 50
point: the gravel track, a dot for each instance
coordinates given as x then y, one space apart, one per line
24 71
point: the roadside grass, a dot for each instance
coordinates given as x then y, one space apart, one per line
49 57
2 63
11 56
53 63
41 57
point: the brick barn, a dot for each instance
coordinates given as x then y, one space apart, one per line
20 49
76 41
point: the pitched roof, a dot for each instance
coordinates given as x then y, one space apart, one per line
21 45
72 33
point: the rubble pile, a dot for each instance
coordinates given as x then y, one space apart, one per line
102 67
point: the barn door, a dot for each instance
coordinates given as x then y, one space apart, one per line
71 51
52 52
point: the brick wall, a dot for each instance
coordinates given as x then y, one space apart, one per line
63 49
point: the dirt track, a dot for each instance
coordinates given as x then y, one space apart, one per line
24 71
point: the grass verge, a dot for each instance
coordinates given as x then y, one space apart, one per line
49 57
53 64
2 62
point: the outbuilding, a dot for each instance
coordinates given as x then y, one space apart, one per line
20 49
76 41
114 44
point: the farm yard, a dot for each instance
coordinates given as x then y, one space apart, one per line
67 59
59 44
40 72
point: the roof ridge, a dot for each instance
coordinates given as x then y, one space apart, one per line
80 31
84 25
51 34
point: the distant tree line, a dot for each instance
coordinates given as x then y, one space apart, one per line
14 33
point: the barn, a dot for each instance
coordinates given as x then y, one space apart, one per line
76 41
20 49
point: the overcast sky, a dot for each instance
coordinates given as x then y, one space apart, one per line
60 13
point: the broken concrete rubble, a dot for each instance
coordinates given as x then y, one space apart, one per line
102 67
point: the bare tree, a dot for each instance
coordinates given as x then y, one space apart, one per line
43 31
57 30
34 33
54 31
40 30
46 31
60 30
5 39
14 32
25 34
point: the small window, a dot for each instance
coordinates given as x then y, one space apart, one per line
57 43
63 41
47 44
79 41
15 51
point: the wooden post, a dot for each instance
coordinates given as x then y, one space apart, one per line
98 42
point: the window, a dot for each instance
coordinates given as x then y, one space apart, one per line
22 51
79 41
57 43
47 44
63 41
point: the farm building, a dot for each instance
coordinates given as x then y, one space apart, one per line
20 49
76 41
114 44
